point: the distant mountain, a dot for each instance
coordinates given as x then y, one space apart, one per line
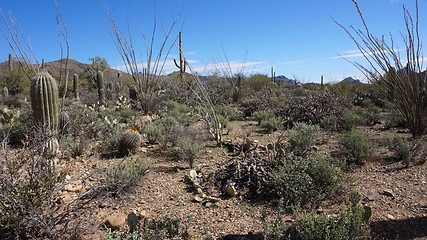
286 80
350 79
74 67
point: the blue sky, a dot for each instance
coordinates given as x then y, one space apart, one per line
298 38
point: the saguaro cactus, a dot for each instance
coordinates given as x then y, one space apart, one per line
10 62
76 86
321 83
236 90
5 92
100 86
44 103
182 61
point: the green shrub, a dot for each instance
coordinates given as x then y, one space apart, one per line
188 150
349 224
329 122
302 136
164 228
153 133
227 111
401 147
352 119
261 115
119 178
272 124
356 145
307 180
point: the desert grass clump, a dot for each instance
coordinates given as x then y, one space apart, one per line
302 136
356 145
401 147
188 150
121 177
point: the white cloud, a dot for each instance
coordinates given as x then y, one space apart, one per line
352 53
235 66
291 62
393 1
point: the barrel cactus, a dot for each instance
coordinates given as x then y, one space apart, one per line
44 103
129 142
76 86
64 119
100 86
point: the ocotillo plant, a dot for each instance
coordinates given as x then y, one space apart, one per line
76 86
44 103
100 86
10 62
321 83
182 61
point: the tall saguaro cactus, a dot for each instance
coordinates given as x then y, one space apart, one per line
182 61
44 103
76 86
10 63
321 83
100 86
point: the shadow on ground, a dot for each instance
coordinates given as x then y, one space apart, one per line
410 228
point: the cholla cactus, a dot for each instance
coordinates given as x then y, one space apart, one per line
44 103
130 142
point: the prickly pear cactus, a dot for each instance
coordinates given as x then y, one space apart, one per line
64 119
5 92
129 142
76 86
100 86
44 103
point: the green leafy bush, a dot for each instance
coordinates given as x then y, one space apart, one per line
153 133
261 115
302 136
352 119
356 145
307 180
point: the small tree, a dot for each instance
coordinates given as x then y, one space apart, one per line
404 86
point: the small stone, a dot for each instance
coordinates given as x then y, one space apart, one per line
220 220
213 199
387 192
389 216
208 204
116 222
373 196
198 199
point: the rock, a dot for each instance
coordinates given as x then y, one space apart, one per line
389 216
208 204
198 199
116 222
388 192
373 196
76 186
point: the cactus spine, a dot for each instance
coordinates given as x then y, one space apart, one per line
5 92
76 86
182 62
129 142
100 86
44 103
